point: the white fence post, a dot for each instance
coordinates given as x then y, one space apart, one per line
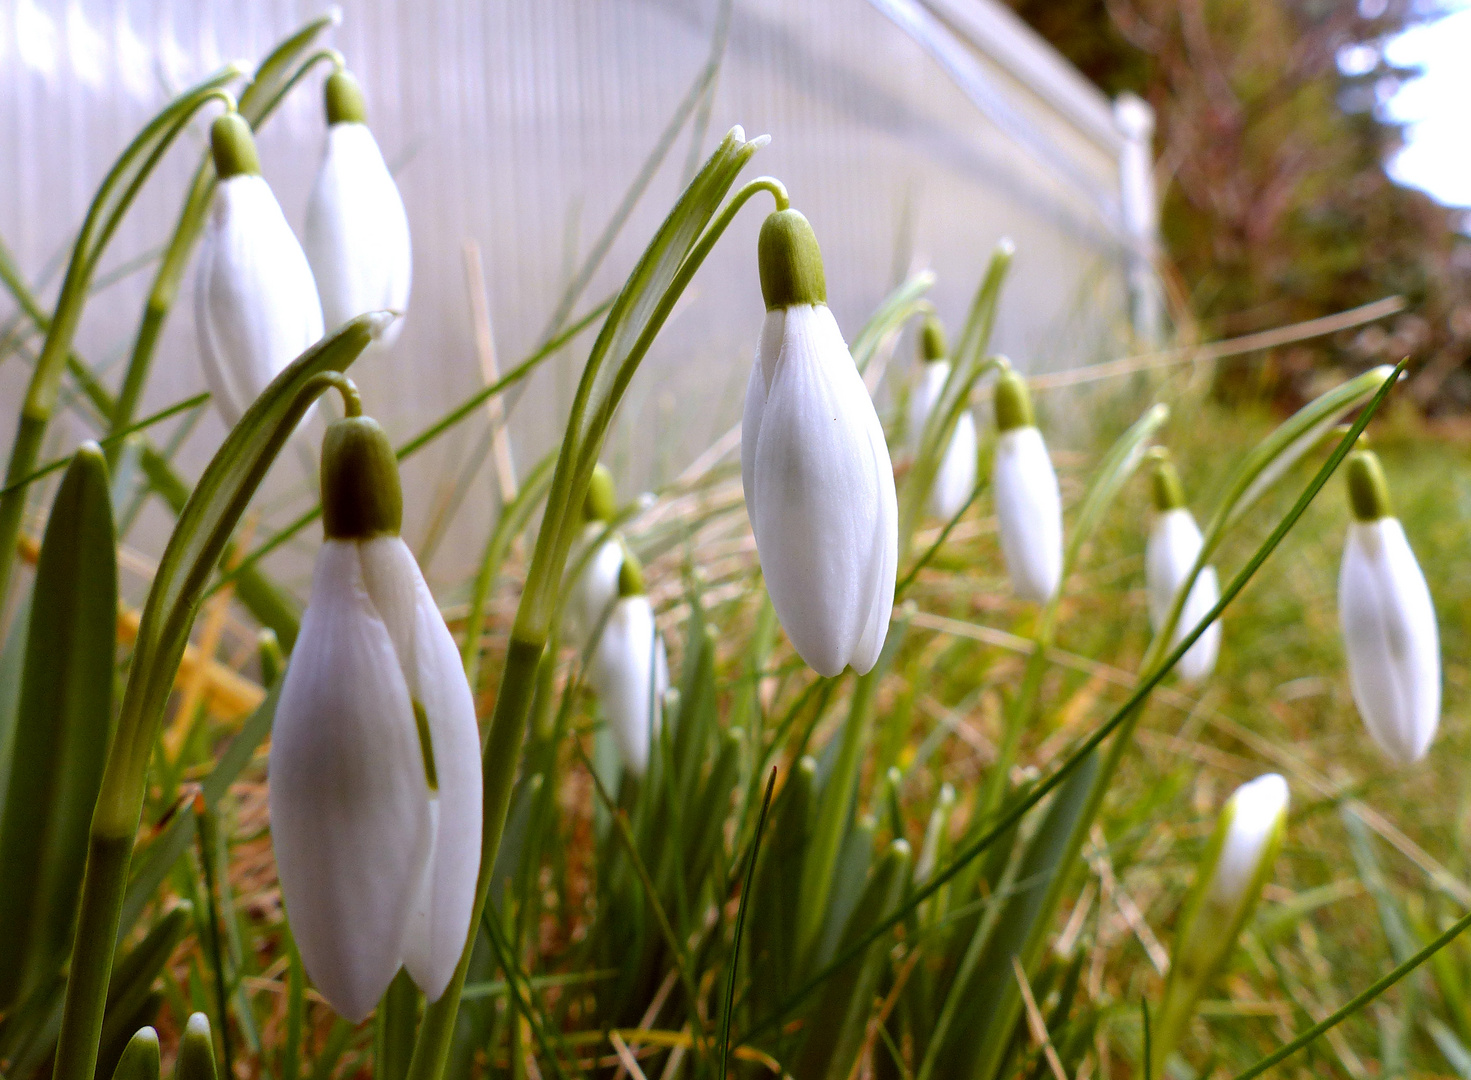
1140 208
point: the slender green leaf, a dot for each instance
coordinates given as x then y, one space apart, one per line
836 1026
63 724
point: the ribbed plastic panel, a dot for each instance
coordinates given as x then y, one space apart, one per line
521 124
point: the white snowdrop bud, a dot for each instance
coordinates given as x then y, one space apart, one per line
818 481
375 785
630 670
357 231
1252 823
255 301
1237 862
590 595
1174 545
955 478
1028 503
1388 621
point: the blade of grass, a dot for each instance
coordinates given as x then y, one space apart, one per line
735 948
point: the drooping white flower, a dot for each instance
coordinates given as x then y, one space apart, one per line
1028 503
955 478
357 231
818 480
255 301
630 671
375 785
1174 545
593 591
1388 621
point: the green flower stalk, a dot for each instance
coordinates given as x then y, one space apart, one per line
1237 863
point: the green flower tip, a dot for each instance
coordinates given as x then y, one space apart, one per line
630 577
232 146
1169 493
790 262
1013 403
89 460
1368 490
344 96
196 1051
140 1058
601 501
932 344
361 495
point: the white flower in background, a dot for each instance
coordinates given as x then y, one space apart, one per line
255 301
630 670
1174 545
816 471
1253 818
1028 504
1236 864
357 231
1388 621
375 786
955 478
592 593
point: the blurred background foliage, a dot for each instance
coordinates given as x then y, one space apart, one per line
1272 143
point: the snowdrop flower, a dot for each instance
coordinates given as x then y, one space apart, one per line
1028 505
1174 545
630 670
595 588
1250 832
1388 621
357 232
955 478
816 471
375 786
255 302
1235 867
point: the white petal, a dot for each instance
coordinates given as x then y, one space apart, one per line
255 302
821 499
630 671
349 803
927 388
768 349
956 477
1174 545
595 589
1391 639
1028 513
357 232
1200 659
432 670
1255 808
